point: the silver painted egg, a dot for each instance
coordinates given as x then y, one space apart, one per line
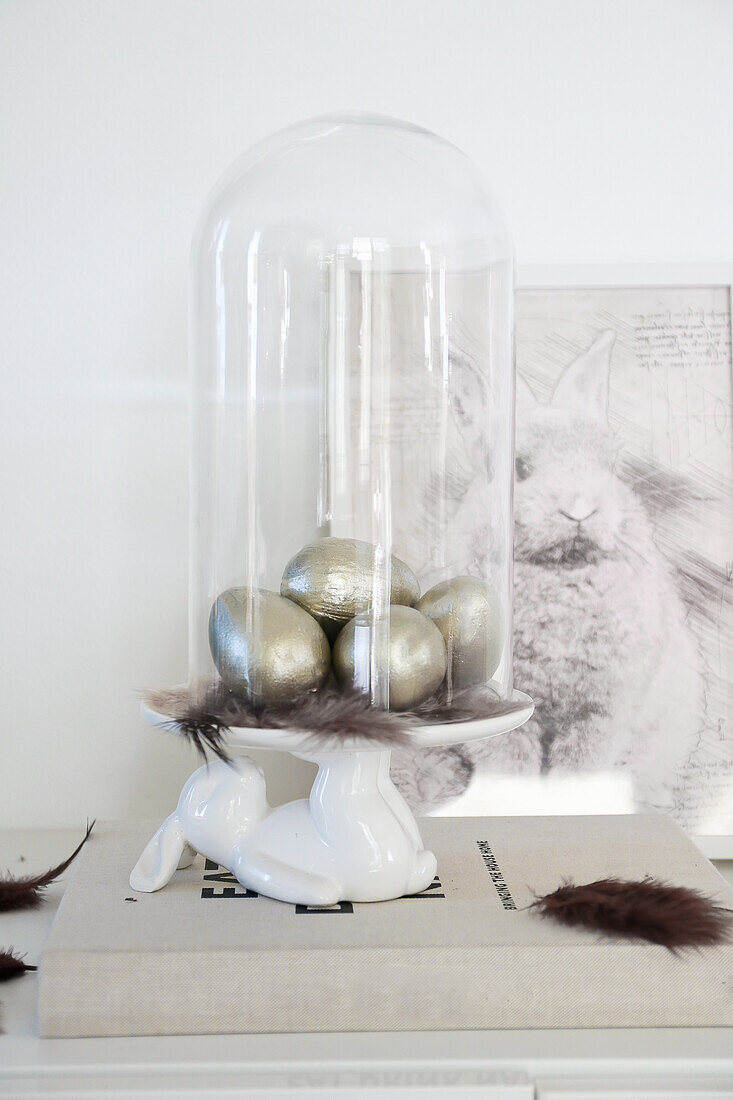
417 657
334 579
266 648
469 616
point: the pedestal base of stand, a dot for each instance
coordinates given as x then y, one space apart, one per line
353 839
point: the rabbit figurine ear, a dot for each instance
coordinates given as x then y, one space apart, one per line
583 385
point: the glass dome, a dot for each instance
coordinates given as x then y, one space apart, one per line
352 378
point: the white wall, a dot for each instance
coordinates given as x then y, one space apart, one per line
605 127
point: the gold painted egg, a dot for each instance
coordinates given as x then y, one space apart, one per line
468 614
417 657
266 648
334 580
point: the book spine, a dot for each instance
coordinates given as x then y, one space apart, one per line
369 989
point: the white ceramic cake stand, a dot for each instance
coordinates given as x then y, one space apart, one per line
353 839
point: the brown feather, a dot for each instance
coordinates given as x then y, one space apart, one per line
12 965
673 916
26 892
203 715
465 706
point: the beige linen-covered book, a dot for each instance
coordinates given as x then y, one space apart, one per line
204 955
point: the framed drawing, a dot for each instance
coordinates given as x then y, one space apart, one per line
623 555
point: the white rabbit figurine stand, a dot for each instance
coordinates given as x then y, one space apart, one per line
353 839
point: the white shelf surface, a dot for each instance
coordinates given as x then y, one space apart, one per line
664 1064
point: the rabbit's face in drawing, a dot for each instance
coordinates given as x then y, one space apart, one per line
571 508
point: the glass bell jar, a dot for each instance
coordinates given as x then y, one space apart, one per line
351 475
352 464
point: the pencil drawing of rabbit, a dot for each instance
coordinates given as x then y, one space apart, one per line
601 639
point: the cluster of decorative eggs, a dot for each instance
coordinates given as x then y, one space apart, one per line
273 649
